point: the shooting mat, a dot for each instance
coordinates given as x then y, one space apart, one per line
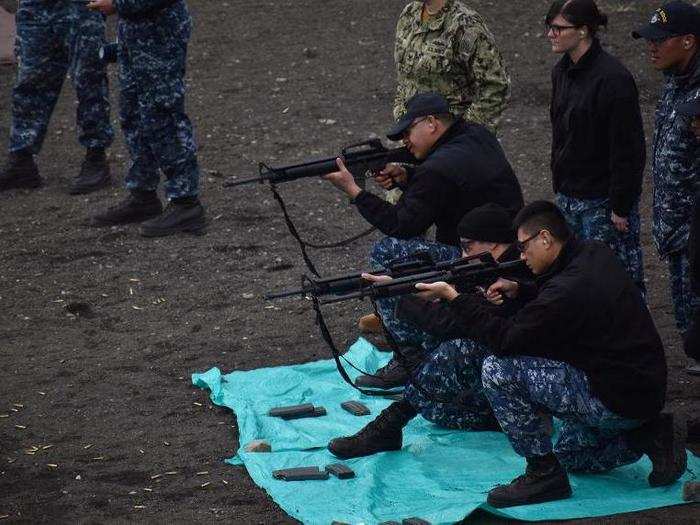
440 475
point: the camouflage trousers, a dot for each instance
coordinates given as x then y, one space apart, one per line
391 250
55 39
152 56
590 219
685 301
526 391
446 389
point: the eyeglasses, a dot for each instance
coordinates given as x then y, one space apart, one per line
522 245
466 244
556 29
412 125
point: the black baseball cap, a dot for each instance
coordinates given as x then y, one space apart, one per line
419 105
671 19
690 109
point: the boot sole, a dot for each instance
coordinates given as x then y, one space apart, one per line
555 496
195 228
84 190
100 222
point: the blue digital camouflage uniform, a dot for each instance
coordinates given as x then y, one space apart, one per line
676 174
590 219
446 388
55 39
592 438
152 56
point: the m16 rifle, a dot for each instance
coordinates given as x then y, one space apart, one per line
370 155
343 284
465 273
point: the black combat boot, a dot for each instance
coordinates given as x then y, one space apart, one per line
544 480
94 173
181 215
383 434
20 171
395 373
663 440
138 206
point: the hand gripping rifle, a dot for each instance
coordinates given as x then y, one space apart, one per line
465 274
370 155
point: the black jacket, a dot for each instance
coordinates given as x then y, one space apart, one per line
597 133
587 312
465 169
440 320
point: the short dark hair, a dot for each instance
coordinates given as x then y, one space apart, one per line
446 118
578 13
543 215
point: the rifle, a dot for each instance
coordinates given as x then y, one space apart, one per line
464 273
342 284
368 155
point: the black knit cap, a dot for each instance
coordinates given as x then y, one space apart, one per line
487 223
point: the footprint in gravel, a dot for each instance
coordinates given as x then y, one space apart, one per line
81 310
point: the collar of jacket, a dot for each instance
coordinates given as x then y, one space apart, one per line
455 129
586 61
435 22
690 77
567 253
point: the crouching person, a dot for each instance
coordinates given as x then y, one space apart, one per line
584 348
444 382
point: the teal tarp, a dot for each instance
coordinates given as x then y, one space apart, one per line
439 475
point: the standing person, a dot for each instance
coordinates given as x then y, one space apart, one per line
692 335
446 47
598 149
153 36
55 39
584 348
673 38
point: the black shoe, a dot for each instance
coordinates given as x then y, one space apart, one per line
395 373
544 480
178 217
93 176
663 440
137 207
20 171
383 434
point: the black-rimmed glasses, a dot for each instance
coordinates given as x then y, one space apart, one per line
556 29
522 245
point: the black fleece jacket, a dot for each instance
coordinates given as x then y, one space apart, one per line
440 320
598 145
587 312
465 169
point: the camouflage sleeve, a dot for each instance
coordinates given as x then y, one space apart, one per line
134 7
480 55
401 89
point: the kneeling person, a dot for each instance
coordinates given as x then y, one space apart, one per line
584 349
445 385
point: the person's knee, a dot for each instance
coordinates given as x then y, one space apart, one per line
383 251
495 373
